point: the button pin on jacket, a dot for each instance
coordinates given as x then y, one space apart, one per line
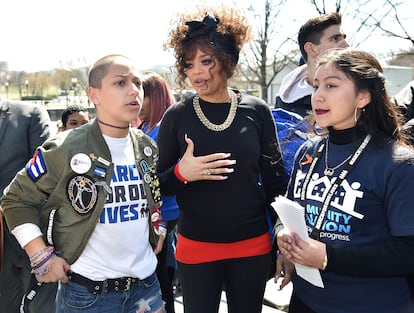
99 159
80 163
147 151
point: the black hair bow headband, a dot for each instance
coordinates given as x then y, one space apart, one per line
208 27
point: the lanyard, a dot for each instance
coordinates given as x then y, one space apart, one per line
335 184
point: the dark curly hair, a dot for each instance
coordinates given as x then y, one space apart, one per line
225 24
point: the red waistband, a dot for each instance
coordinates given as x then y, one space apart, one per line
194 252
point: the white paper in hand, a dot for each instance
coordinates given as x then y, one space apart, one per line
292 216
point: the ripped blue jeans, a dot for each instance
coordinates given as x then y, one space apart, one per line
143 296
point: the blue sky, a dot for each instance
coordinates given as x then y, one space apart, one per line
44 34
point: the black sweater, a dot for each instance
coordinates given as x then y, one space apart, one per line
233 209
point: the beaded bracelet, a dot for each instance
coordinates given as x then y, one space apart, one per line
50 251
45 269
42 261
40 252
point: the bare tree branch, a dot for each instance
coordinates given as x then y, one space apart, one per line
261 63
406 35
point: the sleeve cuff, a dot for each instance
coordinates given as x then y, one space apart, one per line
26 232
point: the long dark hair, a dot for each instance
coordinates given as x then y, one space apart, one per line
379 117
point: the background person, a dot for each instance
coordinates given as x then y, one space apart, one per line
315 37
230 167
100 198
23 127
73 116
357 194
158 98
404 100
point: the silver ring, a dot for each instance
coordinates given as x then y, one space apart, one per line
208 172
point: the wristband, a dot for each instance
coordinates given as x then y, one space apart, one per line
45 269
40 252
178 175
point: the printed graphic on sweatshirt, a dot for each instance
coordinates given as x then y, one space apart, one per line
127 200
337 223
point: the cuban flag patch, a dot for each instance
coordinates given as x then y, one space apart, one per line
36 167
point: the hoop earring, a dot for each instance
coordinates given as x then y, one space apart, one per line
355 114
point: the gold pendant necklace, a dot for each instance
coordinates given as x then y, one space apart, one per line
329 171
210 125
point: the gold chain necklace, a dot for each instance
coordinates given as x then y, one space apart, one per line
210 125
329 171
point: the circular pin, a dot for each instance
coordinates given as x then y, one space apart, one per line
147 151
80 163
155 216
147 178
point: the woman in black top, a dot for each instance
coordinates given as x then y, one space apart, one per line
220 156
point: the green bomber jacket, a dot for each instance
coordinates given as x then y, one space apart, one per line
69 177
